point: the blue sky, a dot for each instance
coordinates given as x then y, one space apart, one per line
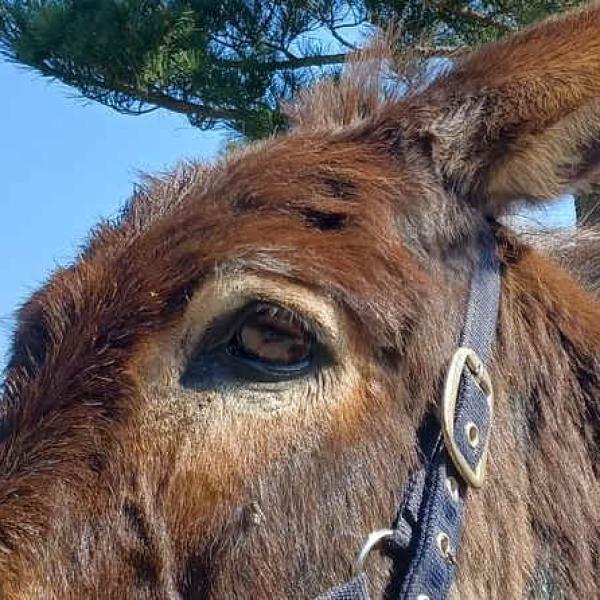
64 164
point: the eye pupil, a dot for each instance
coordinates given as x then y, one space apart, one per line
273 336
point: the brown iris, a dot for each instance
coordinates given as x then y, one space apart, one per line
273 335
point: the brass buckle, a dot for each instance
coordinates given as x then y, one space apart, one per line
465 357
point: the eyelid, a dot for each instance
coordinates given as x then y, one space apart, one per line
275 372
214 307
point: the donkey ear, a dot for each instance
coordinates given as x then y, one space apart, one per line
519 119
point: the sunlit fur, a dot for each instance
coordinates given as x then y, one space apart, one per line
116 481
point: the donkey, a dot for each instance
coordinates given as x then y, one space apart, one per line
225 394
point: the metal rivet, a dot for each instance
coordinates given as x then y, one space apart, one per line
443 542
472 432
422 597
452 486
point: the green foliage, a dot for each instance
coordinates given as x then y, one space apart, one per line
231 62
455 23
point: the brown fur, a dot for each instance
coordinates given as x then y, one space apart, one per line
578 251
117 481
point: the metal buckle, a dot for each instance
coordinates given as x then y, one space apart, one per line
465 357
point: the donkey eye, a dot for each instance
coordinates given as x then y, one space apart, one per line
262 343
276 337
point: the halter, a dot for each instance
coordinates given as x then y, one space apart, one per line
425 537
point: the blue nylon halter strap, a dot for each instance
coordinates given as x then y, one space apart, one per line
426 535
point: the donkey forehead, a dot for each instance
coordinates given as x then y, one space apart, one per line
328 183
295 173
302 208
306 208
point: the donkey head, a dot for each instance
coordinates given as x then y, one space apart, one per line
222 396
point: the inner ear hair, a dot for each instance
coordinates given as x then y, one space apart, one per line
518 119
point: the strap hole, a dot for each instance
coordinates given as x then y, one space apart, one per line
443 542
472 432
452 486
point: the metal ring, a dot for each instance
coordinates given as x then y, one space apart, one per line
373 541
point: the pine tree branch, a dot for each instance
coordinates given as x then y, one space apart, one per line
190 108
279 48
336 59
475 16
330 23
484 19
300 62
427 52
340 39
155 98
180 106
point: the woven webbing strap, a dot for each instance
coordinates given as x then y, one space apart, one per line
427 532
355 589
